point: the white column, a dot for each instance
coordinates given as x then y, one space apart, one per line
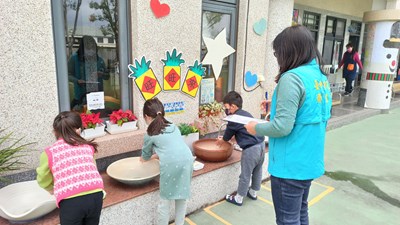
380 57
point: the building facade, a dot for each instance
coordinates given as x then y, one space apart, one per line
39 38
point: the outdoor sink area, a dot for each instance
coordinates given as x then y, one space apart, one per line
133 172
25 201
208 150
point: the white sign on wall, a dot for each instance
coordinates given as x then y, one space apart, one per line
95 100
207 90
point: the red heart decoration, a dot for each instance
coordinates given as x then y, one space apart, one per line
159 9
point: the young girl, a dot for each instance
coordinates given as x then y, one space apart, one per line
68 168
176 161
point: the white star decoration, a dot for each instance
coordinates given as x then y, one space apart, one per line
217 49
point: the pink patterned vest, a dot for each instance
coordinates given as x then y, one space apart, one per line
73 169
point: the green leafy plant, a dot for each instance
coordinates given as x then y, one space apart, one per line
187 128
11 150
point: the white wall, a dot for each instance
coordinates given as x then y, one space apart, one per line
28 88
378 4
28 82
152 37
279 17
392 4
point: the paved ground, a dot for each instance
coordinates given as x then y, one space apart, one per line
361 185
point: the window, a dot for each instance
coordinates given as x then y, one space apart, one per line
311 21
355 28
355 33
110 40
91 65
333 40
216 17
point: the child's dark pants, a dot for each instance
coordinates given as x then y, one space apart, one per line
81 210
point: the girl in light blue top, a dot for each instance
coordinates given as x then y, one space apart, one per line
176 161
300 110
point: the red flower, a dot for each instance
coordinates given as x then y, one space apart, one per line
119 117
90 120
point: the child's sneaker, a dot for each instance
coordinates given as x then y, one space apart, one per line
237 147
232 199
251 196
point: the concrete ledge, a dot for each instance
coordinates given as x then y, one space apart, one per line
113 144
138 205
207 189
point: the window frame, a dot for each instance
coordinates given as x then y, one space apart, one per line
314 26
334 37
225 7
359 26
61 55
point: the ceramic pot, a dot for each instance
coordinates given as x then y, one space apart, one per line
133 172
208 150
25 201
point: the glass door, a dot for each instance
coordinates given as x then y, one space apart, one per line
217 17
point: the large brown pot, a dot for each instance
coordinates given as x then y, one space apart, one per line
208 150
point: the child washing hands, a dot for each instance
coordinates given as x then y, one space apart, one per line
176 161
68 168
253 152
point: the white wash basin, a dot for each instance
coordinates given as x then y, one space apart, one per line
25 201
132 171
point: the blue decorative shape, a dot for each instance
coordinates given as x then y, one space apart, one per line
250 79
260 26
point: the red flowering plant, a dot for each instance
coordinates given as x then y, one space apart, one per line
90 120
119 117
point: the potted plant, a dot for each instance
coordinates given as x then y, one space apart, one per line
210 117
189 133
93 126
11 149
121 121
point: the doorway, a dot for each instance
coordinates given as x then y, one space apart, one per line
333 40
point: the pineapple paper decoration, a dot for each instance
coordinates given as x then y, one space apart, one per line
193 79
172 71
145 79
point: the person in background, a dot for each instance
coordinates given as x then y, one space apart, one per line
87 70
68 169
349 61
300 109
176 161
253 152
